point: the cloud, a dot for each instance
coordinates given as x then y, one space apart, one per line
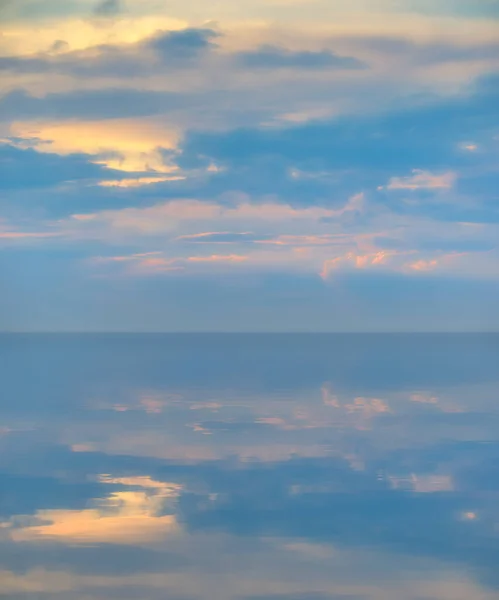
131 145
138 181
168 216
126 517
216 258
126 258
422 180
325 239
154 263
26 235
357 261
224 237
185 44
26 168
108 8
362 152
88 104
274 57
424 136
466 8
458 242
424 265
148 56
432 53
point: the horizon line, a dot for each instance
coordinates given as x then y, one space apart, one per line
214 332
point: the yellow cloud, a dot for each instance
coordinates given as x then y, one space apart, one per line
137 182
136 141
80 34
126 517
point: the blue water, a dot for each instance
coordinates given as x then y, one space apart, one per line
221 467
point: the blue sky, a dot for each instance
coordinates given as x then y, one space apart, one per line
285 165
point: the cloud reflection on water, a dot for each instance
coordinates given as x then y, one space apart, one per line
314 482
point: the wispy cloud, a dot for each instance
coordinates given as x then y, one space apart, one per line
422 180
216 258
274 57
357 261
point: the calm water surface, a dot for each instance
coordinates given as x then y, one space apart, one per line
249 467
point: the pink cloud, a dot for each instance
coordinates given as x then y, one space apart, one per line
424 265
305 240
169 216
89 217
422 180
20 235
433 263
358 261
209 234
218 258
150 263
155 265
126 258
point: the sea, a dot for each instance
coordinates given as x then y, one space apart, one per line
249 466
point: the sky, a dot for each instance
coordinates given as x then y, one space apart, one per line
263 165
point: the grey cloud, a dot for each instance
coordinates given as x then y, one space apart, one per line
108 8
165 49
35 9
88 104
362 152
468 8
110 60
429 245
305 596
274 57
59 46
179 49
184 44
5 5
21 169
430 52
105 559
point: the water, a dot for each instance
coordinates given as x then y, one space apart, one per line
249 467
